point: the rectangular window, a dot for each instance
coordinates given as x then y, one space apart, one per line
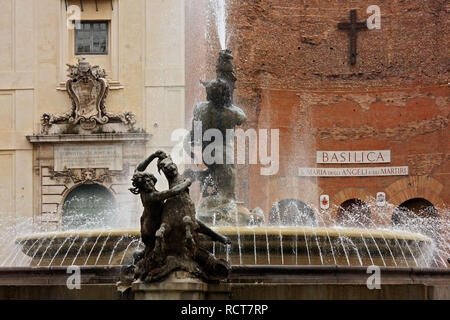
91 37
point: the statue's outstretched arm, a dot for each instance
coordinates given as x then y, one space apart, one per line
163 195
144 164
203 228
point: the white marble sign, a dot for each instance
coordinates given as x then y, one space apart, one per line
342 157
88 156
353 172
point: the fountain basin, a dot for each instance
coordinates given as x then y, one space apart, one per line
250 246
247 283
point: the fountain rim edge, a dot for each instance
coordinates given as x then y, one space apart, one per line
246 231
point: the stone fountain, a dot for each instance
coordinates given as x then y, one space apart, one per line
185 233
184 251
216 249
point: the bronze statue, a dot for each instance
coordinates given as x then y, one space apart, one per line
225 70
153 201
217 113
169 229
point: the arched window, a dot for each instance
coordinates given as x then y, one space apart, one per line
292 212
419 215
88 206
354 213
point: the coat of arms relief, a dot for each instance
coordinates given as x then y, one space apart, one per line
88 88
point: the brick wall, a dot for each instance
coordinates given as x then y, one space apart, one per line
293 70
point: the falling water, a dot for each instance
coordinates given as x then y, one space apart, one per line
387 245
220 17
440 257
443 262
114 249
67 252
421 253
343 247
318 246
367 248
331 247
17 253
238 231
329 239
28 251
307 248
15 227
390 251
376 245
254 246
43 255
40 245
254 242
277 210
103 246
57 251
7 258
412 254
401 250
434 257
128 246
356 249
92 248
14 253
379 251
79 250
296 247
267 246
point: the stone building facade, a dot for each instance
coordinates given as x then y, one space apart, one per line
294 74
140 46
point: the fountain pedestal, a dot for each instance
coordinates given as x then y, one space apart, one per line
181 286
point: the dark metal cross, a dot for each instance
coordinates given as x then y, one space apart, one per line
353 27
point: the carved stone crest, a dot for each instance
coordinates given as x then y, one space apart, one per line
88 88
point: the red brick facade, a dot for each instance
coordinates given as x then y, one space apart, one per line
293 70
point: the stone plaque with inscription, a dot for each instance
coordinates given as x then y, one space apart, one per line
353 172
107 156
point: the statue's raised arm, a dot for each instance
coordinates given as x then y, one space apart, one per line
144 164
